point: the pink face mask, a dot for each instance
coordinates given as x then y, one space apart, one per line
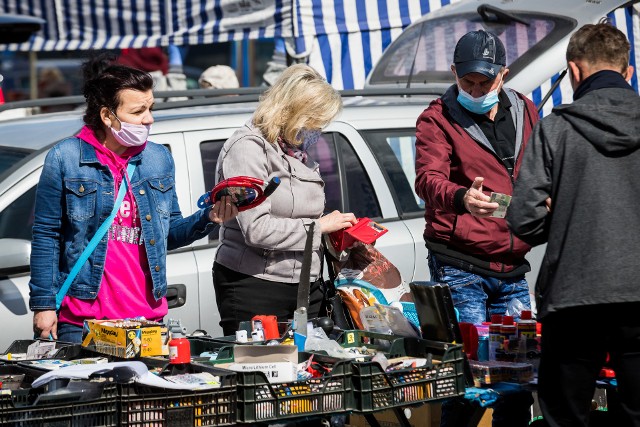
131 135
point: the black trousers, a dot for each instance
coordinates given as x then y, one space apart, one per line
575 343
240 297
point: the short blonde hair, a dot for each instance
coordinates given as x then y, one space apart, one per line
300 98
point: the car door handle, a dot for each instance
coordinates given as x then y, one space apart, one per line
176 295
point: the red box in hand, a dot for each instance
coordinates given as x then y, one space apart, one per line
365 231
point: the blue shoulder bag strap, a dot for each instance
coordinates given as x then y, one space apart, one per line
95 240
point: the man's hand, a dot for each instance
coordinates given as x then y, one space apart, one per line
548 204
223 210
476 202
45 324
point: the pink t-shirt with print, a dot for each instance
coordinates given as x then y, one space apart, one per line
126 289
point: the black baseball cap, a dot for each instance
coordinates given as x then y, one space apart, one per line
479 52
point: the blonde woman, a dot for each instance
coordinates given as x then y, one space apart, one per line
257 265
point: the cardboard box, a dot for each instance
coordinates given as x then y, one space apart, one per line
277 362
126 339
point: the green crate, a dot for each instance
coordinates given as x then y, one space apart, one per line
145 406
259 400
199 345
377 390
86 403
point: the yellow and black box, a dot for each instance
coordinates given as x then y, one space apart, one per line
126 338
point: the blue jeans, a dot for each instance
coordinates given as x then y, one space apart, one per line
476 298
69 333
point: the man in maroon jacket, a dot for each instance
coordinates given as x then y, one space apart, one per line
469 144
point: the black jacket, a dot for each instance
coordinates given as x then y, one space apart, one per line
586 157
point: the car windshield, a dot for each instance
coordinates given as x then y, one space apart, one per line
9 156
22 137
424 52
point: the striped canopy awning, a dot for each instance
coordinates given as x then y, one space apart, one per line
343 39
113 24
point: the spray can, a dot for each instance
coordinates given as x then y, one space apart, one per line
179 346
527 337
496 339
526 325
508 331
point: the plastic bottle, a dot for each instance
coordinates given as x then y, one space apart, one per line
179 346
496 339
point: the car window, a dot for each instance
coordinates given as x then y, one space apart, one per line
425 51
396 151
358 193
16 220
324 152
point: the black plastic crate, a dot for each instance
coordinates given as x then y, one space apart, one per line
64 350
259 400
82 403
146 406
377 390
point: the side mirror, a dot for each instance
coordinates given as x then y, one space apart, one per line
15 255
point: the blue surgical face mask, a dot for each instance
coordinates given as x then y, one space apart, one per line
480 105
309 137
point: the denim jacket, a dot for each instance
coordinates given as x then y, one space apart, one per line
74 197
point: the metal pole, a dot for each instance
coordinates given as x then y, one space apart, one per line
33 75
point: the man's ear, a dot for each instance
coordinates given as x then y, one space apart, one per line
575 74
629 73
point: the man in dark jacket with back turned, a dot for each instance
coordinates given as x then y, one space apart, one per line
578 191
469 143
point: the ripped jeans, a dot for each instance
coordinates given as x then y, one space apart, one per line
477 298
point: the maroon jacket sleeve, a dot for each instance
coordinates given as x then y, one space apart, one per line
433 159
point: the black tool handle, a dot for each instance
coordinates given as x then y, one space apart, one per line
271 187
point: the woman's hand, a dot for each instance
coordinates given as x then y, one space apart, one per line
335 221
223 210
45 324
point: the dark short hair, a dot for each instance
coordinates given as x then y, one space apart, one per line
103 82
600 44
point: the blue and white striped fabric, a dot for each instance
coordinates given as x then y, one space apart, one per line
345 50
111 24
348 37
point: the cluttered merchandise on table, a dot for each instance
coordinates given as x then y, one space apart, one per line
391 345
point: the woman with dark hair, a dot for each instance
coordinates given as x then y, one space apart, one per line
108 177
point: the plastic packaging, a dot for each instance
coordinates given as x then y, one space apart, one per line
514 308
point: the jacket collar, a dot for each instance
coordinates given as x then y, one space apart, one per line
460 116
88 154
